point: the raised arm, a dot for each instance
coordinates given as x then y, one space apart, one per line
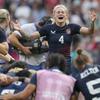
17 27
90 30
6 57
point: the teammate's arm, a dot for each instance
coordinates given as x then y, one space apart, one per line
13 38
90 30
21 95
4 48
6 57
17 27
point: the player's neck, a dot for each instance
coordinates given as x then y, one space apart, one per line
60 24
79 66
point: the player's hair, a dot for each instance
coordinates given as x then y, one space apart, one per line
60 6
83 57
4 14
56 60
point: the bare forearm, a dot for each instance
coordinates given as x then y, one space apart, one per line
5 57
88 31
3 49
12 97
15 42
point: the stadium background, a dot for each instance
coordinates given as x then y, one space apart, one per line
27 11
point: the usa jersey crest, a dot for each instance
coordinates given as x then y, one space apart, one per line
68 31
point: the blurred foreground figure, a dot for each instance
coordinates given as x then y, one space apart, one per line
44 84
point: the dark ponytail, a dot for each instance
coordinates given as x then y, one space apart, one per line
81 58
79 51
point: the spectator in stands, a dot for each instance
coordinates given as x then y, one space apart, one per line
23 7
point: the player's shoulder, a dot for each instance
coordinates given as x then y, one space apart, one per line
96 65
73 24
42 71
92 66
49 25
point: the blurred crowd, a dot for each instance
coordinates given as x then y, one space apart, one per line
26 11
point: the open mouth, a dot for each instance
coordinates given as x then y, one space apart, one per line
60 17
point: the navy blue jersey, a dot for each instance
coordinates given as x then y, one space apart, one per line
74 71
60 38
13 88
88 82
2 36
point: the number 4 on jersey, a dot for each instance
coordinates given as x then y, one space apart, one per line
61 39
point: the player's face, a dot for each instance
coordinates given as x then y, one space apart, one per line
5 81
60 15
8 21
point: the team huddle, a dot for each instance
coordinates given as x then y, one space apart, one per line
36 62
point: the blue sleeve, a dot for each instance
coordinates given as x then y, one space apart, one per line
75 29
43 31
34 79
2 36
76 87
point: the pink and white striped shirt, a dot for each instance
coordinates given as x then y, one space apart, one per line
54 85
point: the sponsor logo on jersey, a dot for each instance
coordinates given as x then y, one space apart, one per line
53 32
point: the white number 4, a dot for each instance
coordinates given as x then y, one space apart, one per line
61 39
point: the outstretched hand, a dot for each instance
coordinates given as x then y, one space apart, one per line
93 16
15 25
